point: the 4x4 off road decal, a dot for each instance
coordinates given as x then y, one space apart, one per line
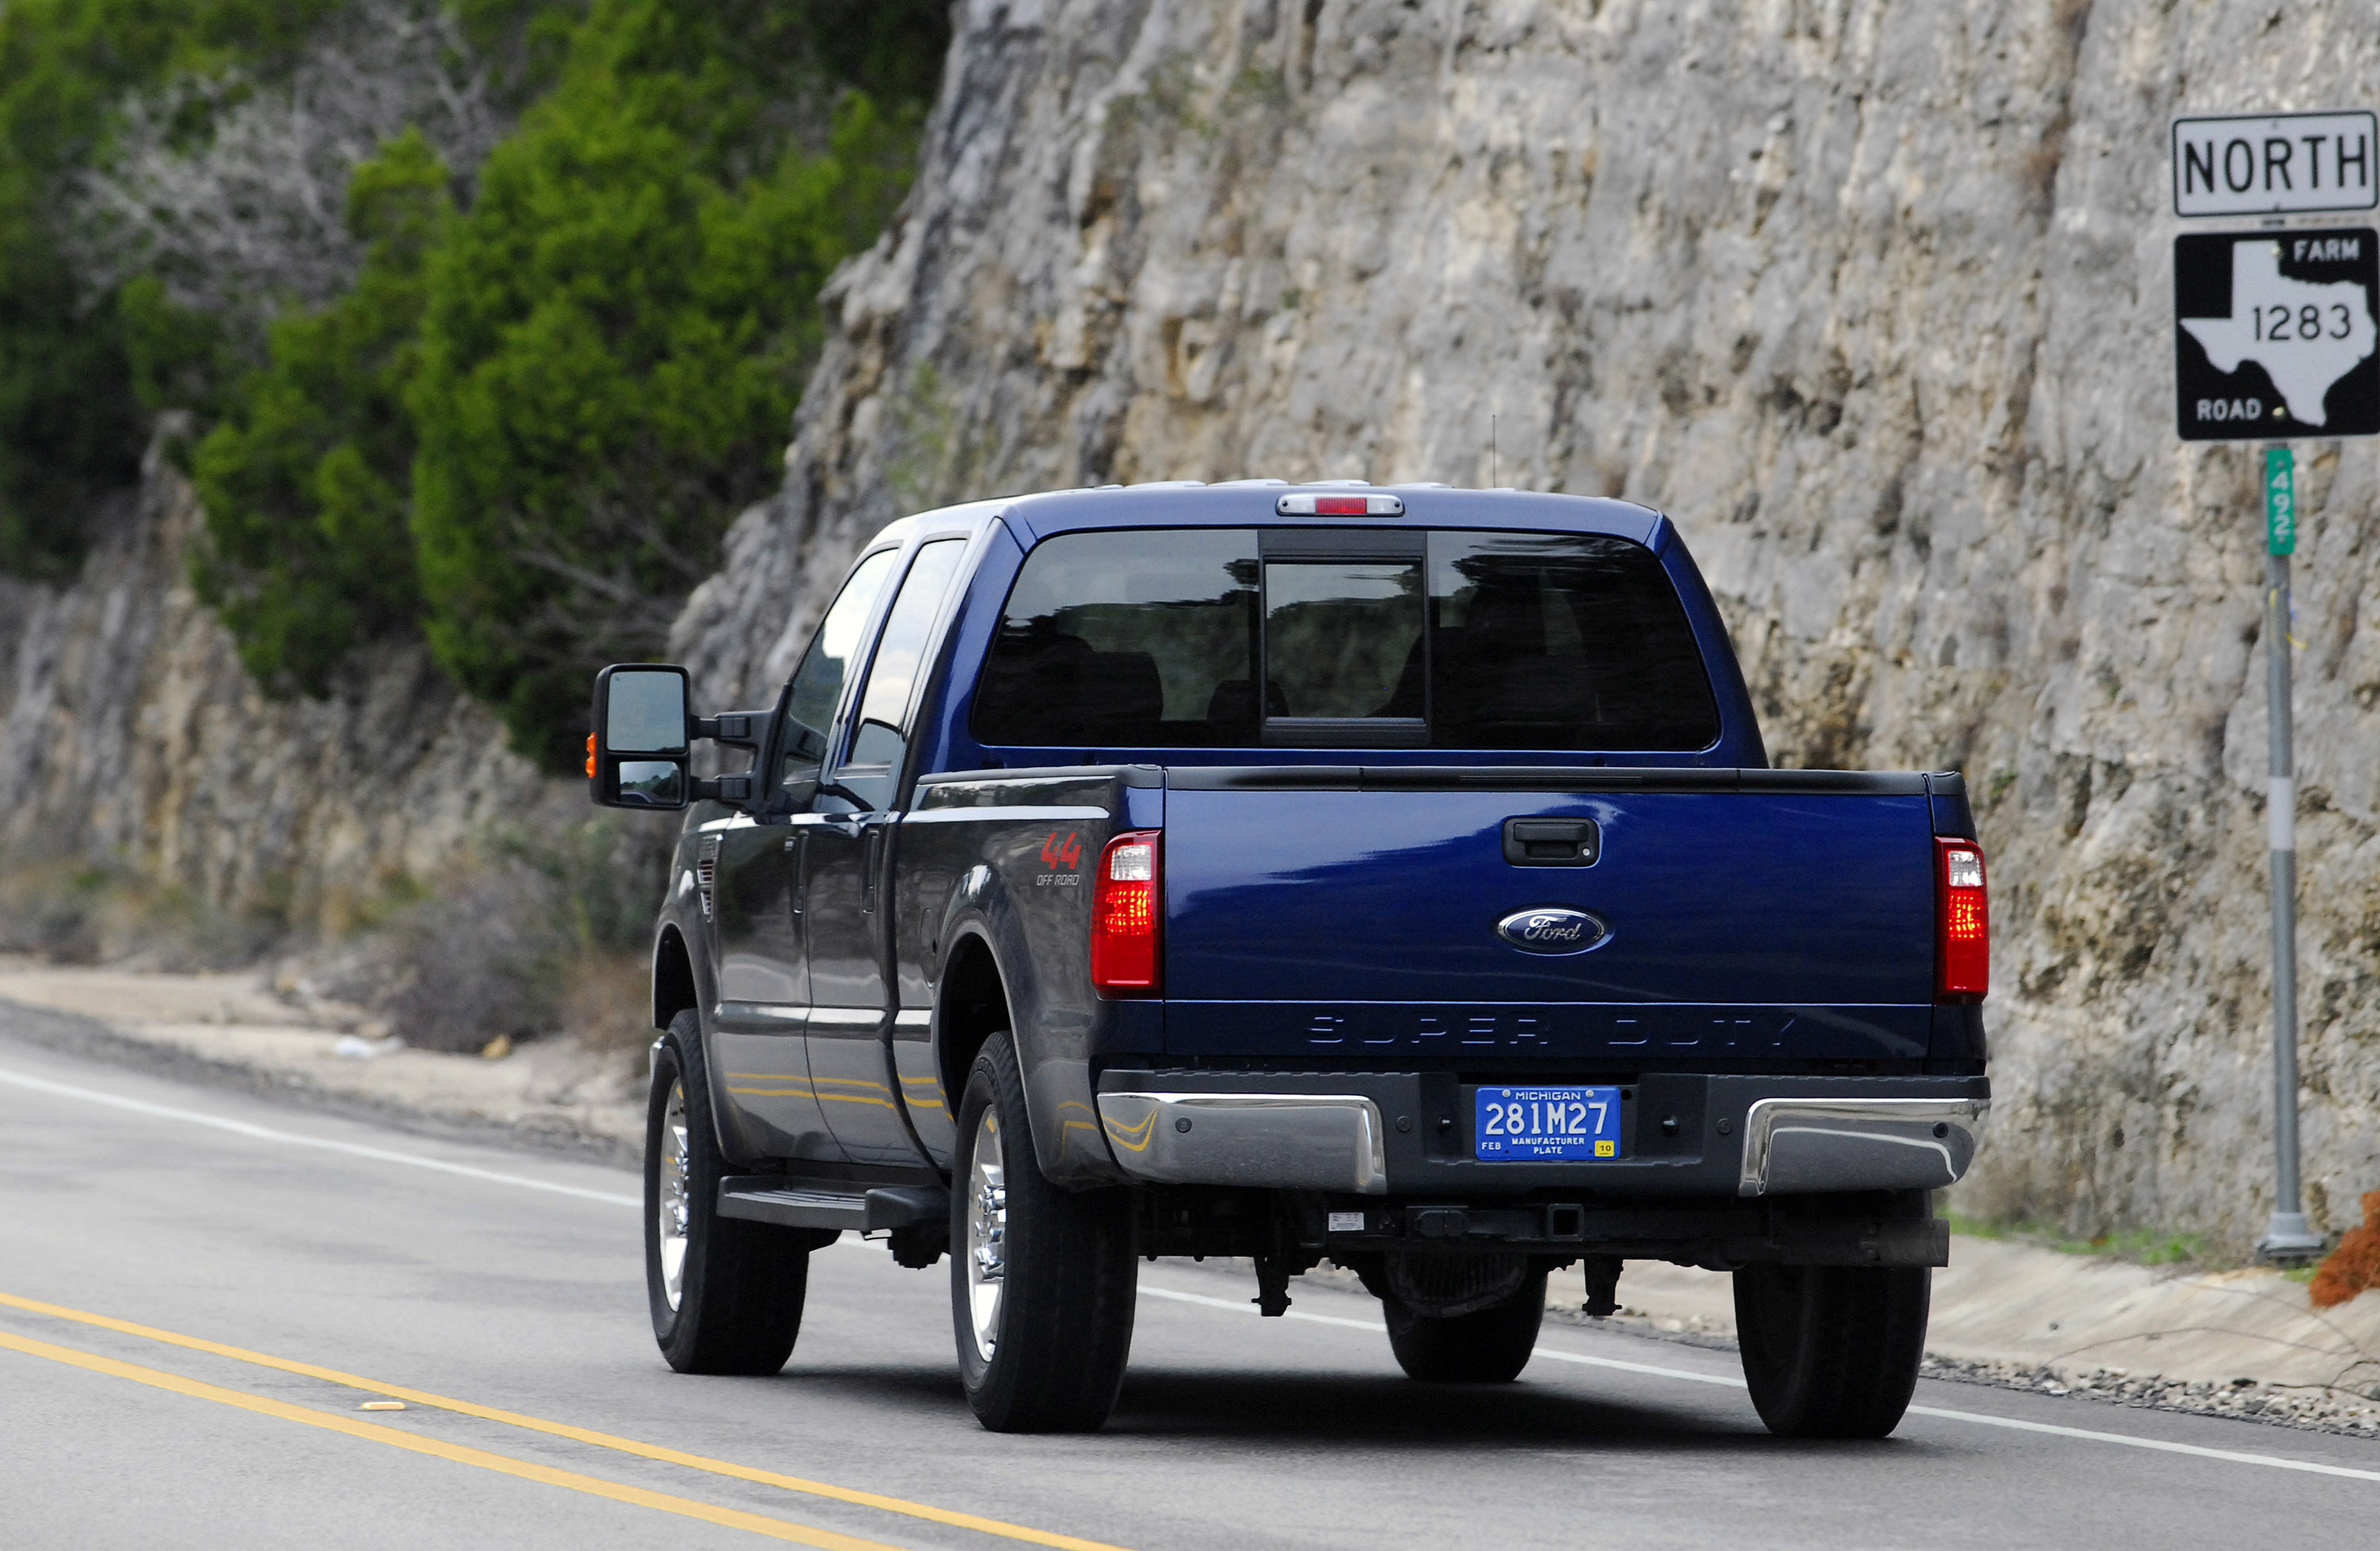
1064 860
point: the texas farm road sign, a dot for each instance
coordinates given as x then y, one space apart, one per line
2274 335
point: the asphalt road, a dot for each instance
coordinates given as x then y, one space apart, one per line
199 1289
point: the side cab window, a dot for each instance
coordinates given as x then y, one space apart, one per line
879 739
817 687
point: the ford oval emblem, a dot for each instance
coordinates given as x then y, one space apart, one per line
1553 930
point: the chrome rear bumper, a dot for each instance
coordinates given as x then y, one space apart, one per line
1207 1130
1279 1141
1807 1144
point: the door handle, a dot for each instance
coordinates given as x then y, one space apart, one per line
869 860
1552 842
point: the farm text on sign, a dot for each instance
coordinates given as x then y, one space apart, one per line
2275 165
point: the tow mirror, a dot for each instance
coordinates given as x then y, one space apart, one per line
637 756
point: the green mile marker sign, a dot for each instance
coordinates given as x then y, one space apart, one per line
2281 501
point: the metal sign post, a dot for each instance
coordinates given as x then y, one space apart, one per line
2287 1236
2276 336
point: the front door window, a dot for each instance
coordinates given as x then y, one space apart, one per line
818 684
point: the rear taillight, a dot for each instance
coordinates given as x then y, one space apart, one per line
1126 907
1963 932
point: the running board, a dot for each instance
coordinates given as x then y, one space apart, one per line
862 1208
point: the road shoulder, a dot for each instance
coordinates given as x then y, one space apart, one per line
232 1032
2239 1344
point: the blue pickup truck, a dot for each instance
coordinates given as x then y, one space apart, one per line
1392 876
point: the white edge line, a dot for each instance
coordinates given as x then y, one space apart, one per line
1251 1308
2234 1456
1937 1412
291 1139
382 1155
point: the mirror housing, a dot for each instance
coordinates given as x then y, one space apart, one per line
637 756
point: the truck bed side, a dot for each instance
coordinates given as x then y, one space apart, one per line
993 871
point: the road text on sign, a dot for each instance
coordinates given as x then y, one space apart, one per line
2274 335
2275 165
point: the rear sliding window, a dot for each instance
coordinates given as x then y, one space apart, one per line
1359 639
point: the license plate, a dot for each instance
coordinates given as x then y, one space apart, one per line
1546 1125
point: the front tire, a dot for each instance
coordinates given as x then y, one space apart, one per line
1042 1279
1490 1345
1831 1351
726 1294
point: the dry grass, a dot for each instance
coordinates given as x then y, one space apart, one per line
2354 1266
529 935
535 934
607 1001
69 912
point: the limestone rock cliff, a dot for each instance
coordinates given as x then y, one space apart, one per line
1871 295
131 738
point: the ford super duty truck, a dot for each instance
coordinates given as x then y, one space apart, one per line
1390 876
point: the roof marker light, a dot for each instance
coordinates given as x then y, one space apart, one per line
1307 505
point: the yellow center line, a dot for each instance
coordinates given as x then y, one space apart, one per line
580 1434
505 1464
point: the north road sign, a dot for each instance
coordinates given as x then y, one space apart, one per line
2274 335
2276 164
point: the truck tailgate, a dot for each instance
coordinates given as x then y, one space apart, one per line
1741 923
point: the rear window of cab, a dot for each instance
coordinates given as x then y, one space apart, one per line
1448 638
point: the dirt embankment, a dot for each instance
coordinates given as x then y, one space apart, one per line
568 1092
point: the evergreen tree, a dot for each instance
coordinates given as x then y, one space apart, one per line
305 482
616 335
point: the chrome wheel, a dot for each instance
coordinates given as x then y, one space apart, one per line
673 1205
987 1234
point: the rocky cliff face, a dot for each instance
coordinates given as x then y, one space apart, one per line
1871 297
131 738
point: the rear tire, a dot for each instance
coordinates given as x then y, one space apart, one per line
1042 1279
1490 1345
1831 1351
726 1294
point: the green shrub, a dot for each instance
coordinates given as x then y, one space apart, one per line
615 338
305 482
523 428
71 423
70 429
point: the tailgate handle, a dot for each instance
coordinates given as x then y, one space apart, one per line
1552 842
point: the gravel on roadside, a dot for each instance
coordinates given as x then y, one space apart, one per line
2309 1408
72 1034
